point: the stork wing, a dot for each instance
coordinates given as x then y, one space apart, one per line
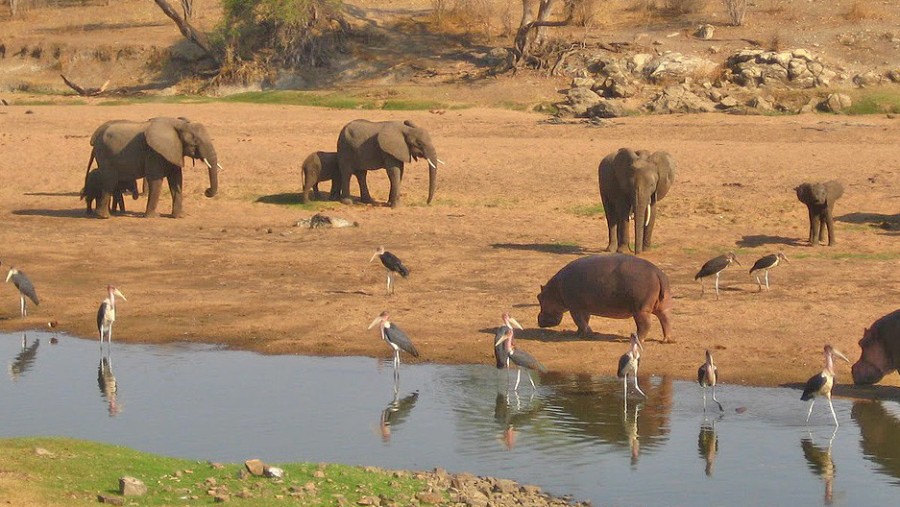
393 263
526 360
101 313
25 287
396 336
500 353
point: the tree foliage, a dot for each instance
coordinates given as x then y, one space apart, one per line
282 32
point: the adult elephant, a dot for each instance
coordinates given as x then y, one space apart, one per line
365 145
631 183
154 149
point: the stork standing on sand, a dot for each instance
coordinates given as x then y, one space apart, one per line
393 265
715 266
106 314
765 264
25 287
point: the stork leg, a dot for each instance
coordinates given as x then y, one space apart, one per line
22 305
810 409
758 283
518 378
721 408
638 387
767 279
533 388
625 389
704 398
836 424
717 286
702 289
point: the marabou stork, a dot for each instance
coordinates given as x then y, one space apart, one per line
707 376
821 384
395 337
715 266
106 314
766 263
26 288
393 265
518 357
628 363
500 352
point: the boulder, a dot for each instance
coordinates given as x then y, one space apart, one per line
607 109
255 467
677 67
579 100
130 486
676 99
835 103
870 78
705 31
760 104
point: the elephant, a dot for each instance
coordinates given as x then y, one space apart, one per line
93 191
153 149
819 200
319 166
631 184
364 145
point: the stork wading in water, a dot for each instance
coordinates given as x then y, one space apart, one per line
106 314
628 363
765 264
707 376
393 265
395 337
715 266
821 384
510 354
25 287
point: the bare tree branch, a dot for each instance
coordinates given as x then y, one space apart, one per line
84 92
189 32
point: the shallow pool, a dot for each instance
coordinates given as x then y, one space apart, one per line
573 436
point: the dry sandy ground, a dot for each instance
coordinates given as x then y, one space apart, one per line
509 213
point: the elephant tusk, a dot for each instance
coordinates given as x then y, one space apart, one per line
208 165
220 166
647 220
431 163
441 161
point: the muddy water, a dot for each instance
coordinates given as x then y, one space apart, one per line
574 435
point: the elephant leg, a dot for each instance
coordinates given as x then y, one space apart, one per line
175 178
103 204
154 189
813 219
364 195
582 320
395 175
315 193
814 233
611 223
829 222
624 233
345 186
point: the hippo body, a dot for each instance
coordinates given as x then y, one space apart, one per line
616 286
880 350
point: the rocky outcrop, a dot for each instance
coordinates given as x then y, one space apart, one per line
797 68
679 99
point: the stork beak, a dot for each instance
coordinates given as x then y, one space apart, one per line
502 339
638 340
515 323
9 275
377 320
784 257
737 261
373 256
118 293
838 353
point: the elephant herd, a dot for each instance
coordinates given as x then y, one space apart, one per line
126 151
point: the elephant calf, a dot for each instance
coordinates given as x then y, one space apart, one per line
93 191
819 199
320 166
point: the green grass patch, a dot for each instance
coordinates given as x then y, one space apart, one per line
879 256
876 101
587 210
75 472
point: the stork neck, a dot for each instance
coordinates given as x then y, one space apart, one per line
829 364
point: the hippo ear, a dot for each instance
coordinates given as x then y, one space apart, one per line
865 339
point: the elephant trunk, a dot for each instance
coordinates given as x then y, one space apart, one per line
433 161
642 212
208 153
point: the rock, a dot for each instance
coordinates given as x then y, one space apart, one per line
582 82
894 75
221 498
255 467
319 220
580 100
728 102
676 67
44 453
429 497
369 500
705 31
130 486
870 78
216 465
505 486
319 474
607 109
809 107
760 104
111 500
675 99
835 103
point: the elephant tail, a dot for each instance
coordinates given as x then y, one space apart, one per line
86 172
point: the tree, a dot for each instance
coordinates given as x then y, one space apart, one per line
189 32
187 6
525 42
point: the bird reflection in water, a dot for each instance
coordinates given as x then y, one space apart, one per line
511 413
106 380
396 412
631 431
708 444
820 462
24 359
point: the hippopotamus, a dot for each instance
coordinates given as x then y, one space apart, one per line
880 350
617 286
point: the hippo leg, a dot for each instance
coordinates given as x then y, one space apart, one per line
666 322
582 321
643 322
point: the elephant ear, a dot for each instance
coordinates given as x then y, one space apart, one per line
665 165
392 141
163 138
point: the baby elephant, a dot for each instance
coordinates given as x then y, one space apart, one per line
319 166
93 190
819 198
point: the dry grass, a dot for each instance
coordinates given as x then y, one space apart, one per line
471 17
859 11
737 10
775 42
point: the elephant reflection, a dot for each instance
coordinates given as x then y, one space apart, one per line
24 359
708 445
508 412
106 380
396 412
879 427
820 462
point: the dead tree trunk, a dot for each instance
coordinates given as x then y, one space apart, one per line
187 6
524 41
189 32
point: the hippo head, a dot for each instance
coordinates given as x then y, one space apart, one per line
874 362
551 309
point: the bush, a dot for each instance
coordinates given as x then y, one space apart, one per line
287 33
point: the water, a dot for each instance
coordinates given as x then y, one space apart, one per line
571 437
